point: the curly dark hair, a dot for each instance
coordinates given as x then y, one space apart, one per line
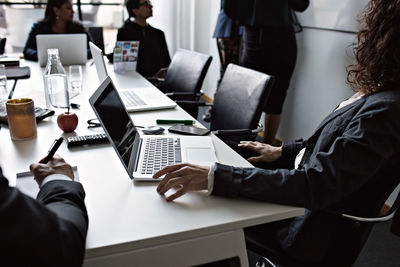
377 51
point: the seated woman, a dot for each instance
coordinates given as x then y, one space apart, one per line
349 165
57 19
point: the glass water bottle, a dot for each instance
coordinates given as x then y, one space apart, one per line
55 82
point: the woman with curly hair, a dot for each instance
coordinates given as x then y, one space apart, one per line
349 165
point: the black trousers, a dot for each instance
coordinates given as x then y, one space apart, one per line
273 51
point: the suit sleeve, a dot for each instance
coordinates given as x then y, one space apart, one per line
368 141
166 58
30 49
50 232
66 200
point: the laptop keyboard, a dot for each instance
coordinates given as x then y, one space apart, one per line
159 153
131 99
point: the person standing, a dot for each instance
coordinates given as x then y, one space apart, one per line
153 51
229 40
269 46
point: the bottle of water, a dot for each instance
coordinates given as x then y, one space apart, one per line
55 82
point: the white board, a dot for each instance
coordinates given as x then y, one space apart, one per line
333 14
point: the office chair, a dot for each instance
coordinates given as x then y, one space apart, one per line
2 45
346 254
185 77
238 103
97 35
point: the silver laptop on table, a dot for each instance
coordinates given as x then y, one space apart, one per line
135 99
142 156
72 47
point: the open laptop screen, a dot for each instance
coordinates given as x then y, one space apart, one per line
117 123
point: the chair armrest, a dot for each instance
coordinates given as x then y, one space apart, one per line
237 132
172 94
193 103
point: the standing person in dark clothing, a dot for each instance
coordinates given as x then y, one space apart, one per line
57 19
269 46
153 50
229 39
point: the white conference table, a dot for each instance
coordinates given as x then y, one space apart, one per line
129 223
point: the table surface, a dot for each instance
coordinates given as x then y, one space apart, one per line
126 215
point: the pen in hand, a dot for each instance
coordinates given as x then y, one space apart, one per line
53 150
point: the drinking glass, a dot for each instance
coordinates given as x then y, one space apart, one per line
75 79
21 118
3 83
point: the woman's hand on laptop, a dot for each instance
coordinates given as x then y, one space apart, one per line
184 177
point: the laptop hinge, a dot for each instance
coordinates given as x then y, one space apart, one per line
137 155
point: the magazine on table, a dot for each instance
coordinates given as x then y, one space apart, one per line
125 55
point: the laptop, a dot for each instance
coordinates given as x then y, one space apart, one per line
142 156
72 47
135 99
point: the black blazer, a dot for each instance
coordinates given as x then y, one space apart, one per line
49 231
350 165
153 51
30 49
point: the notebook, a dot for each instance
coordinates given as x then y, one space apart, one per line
72 48
142 156
135 99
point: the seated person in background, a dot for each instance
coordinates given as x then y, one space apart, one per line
48 231
347 165
153 50
57 19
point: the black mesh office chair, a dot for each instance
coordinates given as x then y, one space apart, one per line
97 35
344 253
185 77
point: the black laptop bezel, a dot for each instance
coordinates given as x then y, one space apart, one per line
134 156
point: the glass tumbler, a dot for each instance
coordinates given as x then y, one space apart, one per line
21 118
75 79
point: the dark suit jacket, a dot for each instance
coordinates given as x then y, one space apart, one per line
49 231
153 50
350 165
30 49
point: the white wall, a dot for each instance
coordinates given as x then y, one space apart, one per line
318 83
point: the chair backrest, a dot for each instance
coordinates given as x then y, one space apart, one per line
2 45
97 35
186 72
240 98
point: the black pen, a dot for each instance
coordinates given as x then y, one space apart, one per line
56 144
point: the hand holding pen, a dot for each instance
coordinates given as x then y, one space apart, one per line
51 164
50 154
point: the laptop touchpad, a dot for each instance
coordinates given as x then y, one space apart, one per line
200 155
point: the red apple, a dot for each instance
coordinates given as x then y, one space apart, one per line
67 121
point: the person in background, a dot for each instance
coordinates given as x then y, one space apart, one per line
269 46
153 56
229 39
58 18
48 231
348 165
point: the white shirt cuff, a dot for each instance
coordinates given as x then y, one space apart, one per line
210 185
56 176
